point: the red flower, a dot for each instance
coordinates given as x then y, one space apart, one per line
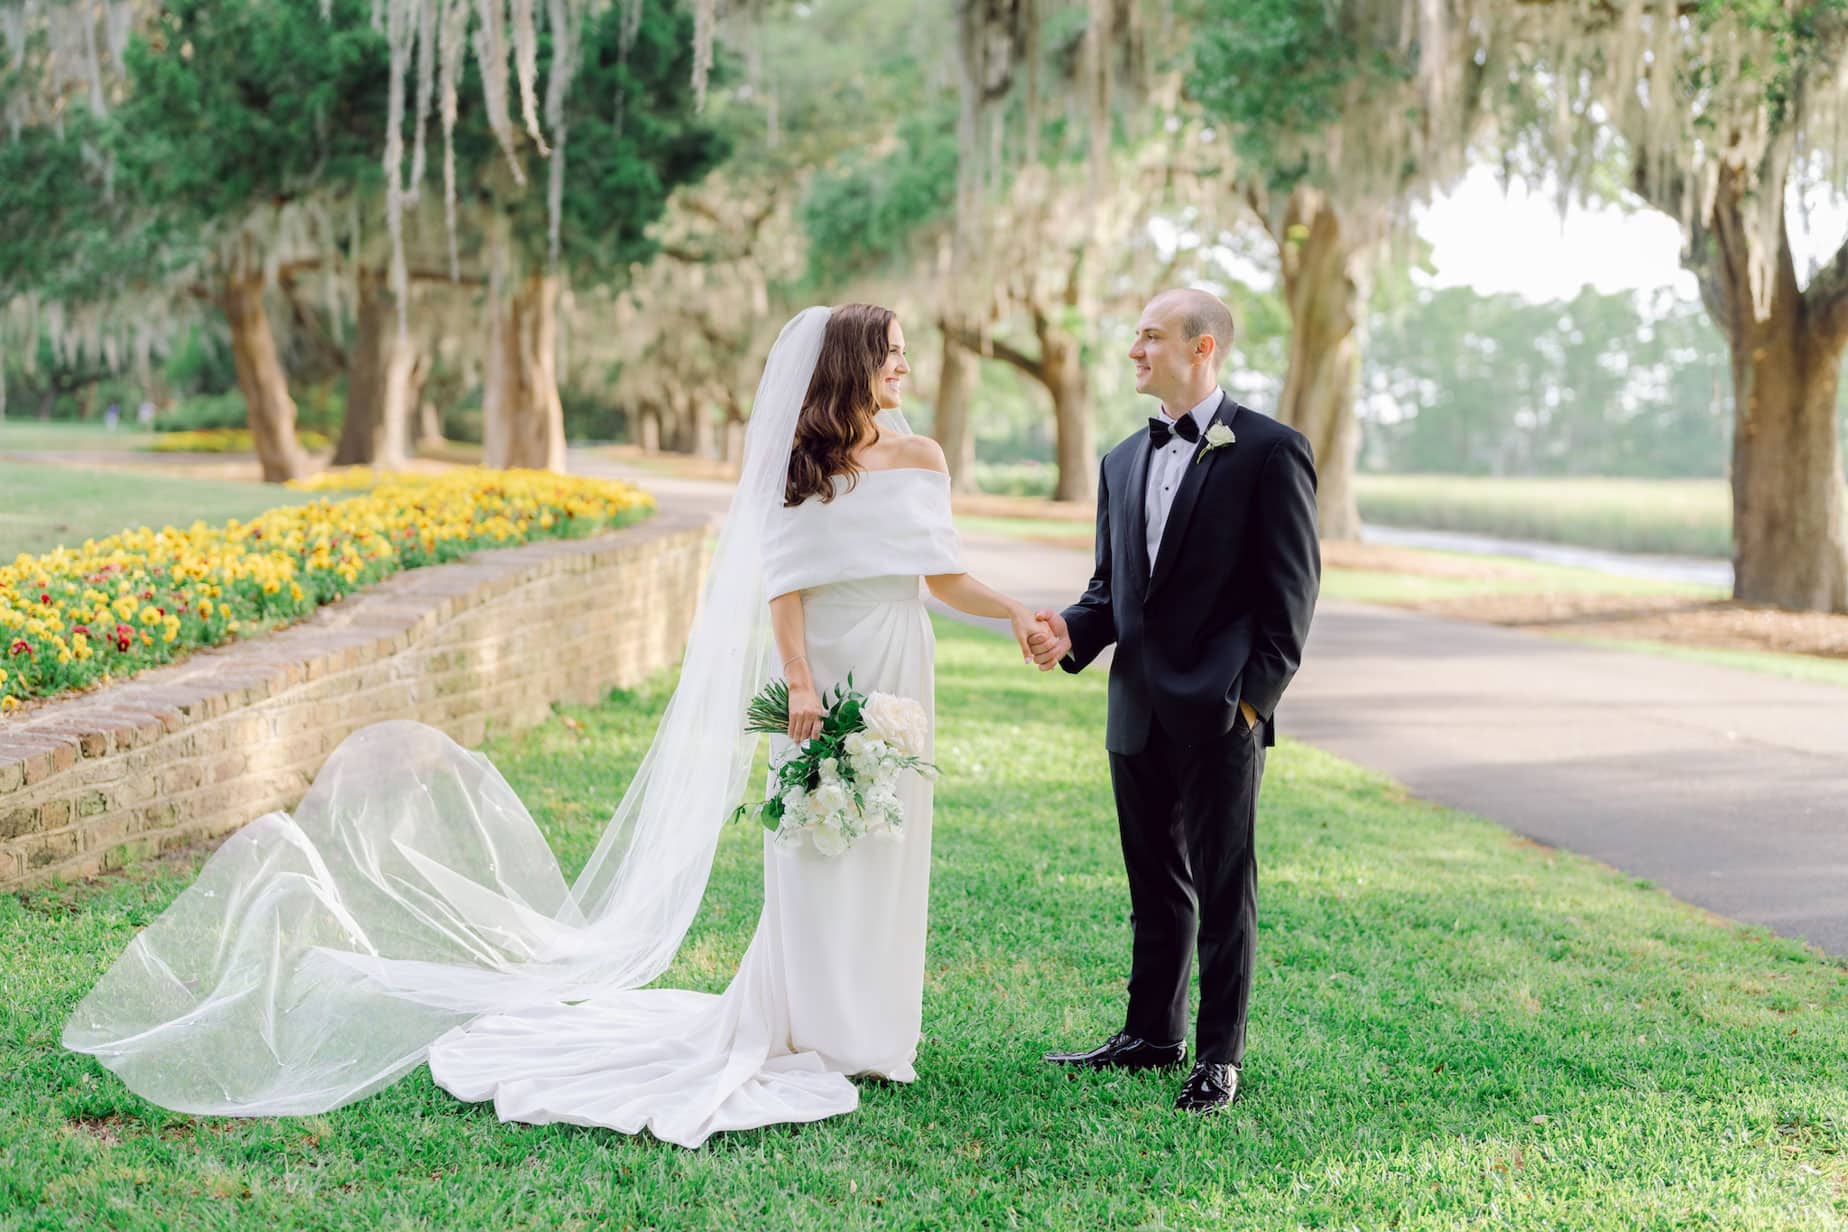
19 647
44 598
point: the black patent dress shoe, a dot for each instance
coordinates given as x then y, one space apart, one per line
1209 1088
1123 1051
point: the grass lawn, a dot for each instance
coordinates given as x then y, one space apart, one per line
34 435
1452 1028
46 506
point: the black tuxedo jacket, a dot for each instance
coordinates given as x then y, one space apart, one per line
1223 617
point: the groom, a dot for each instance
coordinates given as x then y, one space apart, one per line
1207 571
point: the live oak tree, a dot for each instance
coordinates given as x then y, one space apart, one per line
1020 222
1341 113
633 135
72 250
1038 217
1720 108
184 181
245 147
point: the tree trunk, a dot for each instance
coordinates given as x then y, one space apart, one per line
382 371
1325 281
429 419
523 421
1063 372
1788 544
262 381
702 432
955 384
693 432
648 428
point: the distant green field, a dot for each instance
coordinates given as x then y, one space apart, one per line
1056 531
1678 517
1515 577
43 506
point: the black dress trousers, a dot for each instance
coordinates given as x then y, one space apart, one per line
1187 813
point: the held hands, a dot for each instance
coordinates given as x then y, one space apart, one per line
1050 640
1027 627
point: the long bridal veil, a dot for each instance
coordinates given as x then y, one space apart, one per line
319 953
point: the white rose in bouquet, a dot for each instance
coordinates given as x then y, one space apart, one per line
828 840
829 798
839 788
897 721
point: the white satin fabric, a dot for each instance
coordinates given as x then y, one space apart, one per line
884 522
831 986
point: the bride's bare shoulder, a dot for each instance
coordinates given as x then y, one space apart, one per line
922 452
898 453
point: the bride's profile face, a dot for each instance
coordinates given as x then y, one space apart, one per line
886 383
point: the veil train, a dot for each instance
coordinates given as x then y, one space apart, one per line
321 952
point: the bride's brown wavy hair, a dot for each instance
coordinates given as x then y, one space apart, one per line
840 403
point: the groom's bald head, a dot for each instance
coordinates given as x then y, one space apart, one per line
1197 314
1180 340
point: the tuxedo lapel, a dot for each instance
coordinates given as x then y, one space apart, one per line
1184 499
1136 496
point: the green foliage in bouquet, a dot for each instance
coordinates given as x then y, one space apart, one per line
769 713
843 715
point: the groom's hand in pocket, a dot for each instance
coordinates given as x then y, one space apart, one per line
1053 643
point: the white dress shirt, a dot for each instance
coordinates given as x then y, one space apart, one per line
1168 466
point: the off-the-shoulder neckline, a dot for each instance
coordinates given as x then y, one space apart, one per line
893 470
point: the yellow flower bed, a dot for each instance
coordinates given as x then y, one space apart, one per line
108 609
349 479
224 440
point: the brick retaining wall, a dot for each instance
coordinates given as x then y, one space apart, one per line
196 749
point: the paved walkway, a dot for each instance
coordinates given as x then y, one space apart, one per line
1726 787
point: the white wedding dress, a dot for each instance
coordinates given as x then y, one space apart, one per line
409 909
833 982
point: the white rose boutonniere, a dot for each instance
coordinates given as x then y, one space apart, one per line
1217 436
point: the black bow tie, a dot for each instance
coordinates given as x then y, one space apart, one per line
1161 431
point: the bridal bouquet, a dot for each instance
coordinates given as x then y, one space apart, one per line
842 785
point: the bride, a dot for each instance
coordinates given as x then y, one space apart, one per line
409 909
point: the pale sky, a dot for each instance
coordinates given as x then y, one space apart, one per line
1517 242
